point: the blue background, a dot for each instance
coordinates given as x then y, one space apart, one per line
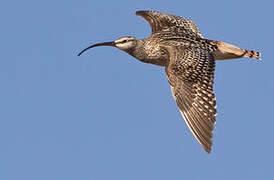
104 115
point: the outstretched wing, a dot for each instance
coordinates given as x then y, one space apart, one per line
159 21
191 73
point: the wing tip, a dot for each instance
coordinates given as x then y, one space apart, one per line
140 13
208 150
147 12
206 146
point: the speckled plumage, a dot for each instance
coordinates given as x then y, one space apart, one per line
189 60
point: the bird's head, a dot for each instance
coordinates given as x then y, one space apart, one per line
125 43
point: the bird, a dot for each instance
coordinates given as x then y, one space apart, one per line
176 44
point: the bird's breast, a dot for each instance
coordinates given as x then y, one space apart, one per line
151 53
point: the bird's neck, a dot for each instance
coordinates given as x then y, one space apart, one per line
148 54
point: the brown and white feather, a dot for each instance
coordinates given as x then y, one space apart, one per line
190 71
159 21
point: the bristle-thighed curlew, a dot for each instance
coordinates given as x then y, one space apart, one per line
189 60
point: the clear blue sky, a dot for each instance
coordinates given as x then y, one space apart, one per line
106 116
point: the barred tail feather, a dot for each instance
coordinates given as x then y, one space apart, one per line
229 51
252 54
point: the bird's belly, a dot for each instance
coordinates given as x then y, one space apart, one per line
158 62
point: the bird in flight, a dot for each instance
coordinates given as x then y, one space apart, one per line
189 60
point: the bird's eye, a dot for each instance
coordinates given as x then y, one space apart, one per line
124 41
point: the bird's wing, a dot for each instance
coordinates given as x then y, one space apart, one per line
159 21
191 73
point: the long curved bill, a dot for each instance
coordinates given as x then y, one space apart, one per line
98 44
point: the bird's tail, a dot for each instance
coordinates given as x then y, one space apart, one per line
252 54
229 51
